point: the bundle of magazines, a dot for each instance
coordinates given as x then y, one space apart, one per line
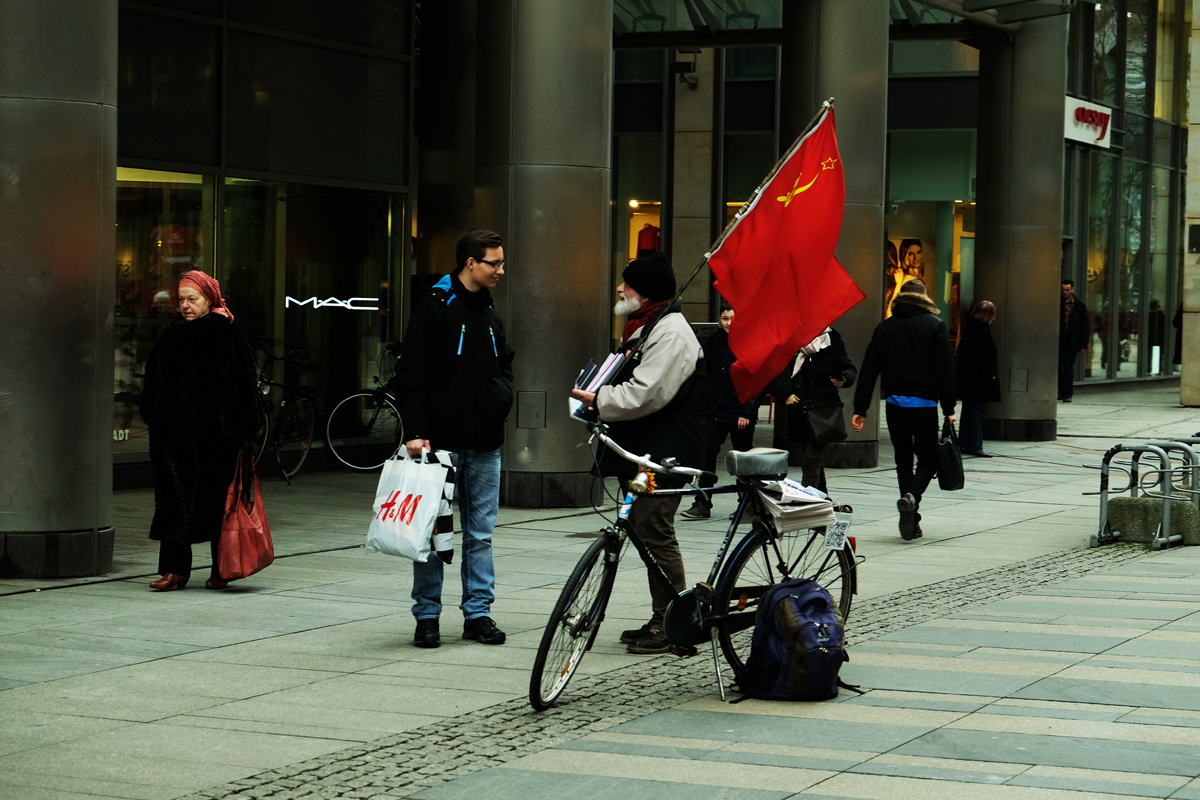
590 379
796 507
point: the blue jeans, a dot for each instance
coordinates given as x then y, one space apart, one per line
477 492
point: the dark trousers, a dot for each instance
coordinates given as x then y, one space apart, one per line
970 429
1066 373
176 558
914 431
715 434
654 520
813 452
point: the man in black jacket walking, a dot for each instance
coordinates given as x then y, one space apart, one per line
454 389
911 353
1073 334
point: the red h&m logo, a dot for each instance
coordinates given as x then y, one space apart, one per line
1096 119
404 511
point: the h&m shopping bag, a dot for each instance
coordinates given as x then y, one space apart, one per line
406 507
245 546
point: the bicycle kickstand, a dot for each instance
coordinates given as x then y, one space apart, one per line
716 651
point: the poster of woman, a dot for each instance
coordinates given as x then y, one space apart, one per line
904 261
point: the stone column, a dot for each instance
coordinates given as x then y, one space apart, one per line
691 191
1189 382
58 126
543 182
839 49
1018 232
446 140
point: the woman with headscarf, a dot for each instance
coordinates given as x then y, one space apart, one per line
812 380
200 406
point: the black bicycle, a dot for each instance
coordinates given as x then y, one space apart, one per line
365 429
722 608
286 429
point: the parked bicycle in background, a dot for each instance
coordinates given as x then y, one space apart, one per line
365 429
286 432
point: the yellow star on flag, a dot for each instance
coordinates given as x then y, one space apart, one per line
828 163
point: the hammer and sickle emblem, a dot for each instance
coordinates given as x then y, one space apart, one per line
797 189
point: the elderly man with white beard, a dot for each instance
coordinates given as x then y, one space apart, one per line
655 406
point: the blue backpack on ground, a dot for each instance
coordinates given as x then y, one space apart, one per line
797 648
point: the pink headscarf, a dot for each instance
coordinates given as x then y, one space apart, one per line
207 286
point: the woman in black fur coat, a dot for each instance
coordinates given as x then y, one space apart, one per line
200 406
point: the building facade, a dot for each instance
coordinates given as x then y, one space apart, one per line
321 159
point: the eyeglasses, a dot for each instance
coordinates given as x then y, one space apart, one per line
493 264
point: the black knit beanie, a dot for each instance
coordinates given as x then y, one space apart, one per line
651 276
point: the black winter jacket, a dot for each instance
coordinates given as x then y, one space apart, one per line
200 405
1074 335
723 404
812 383
454 383
975 372
910 352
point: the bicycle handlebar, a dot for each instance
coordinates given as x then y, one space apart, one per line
599 431
291 355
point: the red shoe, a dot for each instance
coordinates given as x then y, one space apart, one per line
168 582
215 583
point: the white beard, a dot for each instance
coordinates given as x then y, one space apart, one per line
626 306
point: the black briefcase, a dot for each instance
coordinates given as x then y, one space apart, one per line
950 468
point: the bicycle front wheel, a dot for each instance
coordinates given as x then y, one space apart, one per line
573 624
364 430
764 559
293 439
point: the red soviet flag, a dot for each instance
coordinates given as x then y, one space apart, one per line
776 266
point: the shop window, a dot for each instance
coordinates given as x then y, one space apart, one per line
637 108
1166 59
750 106
749 157
638 65
1158 285
167 89
1136 137
1138 67
1105 46
1164 149
1102 191
382 24
750 62
164 228
932 58
211 8
1132 270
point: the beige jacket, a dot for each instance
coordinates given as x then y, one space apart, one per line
668 359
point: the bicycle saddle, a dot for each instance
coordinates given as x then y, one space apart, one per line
756 461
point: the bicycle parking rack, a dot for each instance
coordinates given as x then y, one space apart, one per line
1162 537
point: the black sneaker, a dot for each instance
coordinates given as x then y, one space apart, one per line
428 634
697 511
654 644
483 630
629 637
907 506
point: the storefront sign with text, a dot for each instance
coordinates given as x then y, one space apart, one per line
352 304
1088 122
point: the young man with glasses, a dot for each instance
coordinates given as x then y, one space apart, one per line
454 391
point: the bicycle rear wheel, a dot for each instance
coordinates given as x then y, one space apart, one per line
764 559
573 625
293 437
364 430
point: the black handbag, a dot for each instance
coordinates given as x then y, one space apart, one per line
825 420
950 468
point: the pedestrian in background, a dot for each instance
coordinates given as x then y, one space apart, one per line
976 375
728 417
454 389
812 380
1073 334
910 353
200 406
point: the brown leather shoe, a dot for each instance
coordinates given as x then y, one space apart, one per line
168 582
215 583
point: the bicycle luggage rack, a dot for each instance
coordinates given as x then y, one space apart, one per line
1162 537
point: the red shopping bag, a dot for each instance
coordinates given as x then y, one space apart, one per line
245 546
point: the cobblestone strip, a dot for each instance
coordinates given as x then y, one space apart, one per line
403 765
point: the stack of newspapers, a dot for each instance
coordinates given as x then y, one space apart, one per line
796 507
590 379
